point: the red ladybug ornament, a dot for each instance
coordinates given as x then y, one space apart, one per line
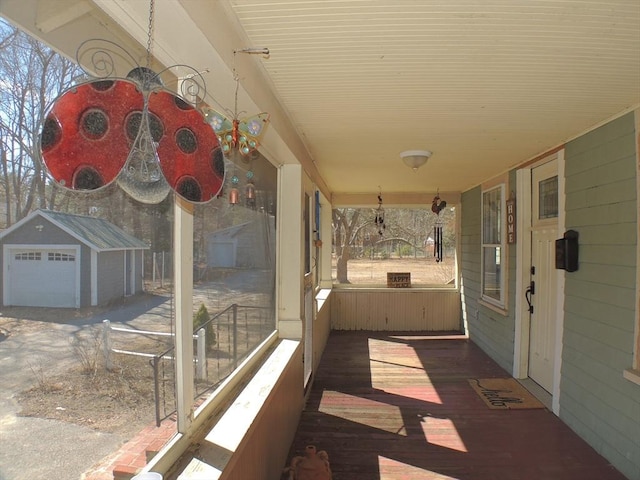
190 155
84 145
93 135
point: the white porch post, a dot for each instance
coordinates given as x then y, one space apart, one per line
325 236
183 288
290 252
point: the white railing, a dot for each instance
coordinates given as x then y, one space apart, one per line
199 336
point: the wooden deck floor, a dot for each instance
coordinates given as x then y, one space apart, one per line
399 407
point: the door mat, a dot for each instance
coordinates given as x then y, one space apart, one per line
504 393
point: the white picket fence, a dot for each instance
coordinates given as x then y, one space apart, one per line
200 337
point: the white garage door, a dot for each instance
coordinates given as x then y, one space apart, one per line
42 277
223 254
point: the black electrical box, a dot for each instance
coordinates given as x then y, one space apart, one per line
567 251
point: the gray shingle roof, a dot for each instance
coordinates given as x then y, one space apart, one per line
96 232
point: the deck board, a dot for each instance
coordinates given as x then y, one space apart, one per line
399 407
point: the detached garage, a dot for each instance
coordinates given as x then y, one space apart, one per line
247 245
53 259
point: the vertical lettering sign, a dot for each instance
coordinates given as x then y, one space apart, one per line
511 220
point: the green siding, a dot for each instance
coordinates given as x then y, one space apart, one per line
600 298
490 330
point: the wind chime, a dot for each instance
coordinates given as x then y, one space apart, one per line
240 136
437 206
132 130
379 216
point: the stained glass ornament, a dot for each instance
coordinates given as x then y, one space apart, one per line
84 142
241 134
136 132
190 155
142 177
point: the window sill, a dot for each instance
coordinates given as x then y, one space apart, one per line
225 437
321 297
632 375
501 310
375 287
214 406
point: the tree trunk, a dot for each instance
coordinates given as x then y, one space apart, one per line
342 266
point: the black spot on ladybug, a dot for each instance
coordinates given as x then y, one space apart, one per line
189 189
186 140
132 126
102 85
51 133
217 162
181 104
87 178
145 77
94 124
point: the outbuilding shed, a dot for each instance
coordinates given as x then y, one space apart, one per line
246 245
53 259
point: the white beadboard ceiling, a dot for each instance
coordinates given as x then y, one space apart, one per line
484 84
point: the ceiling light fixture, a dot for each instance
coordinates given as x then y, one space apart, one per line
415 158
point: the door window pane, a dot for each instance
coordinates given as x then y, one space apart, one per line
548 198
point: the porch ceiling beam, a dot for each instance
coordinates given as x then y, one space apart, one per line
53 15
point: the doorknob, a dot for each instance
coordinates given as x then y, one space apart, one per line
531 290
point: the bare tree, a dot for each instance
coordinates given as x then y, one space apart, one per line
346 226
406 232
31 76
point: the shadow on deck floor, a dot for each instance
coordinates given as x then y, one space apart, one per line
399 406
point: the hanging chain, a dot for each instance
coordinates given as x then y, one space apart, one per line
236 78
235 102
150 32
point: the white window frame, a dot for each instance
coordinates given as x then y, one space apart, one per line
501 301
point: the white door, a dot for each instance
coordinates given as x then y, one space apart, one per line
543 290
42 277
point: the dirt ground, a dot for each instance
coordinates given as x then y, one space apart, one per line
423 270
119 401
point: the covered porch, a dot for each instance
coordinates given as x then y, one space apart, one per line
504 108
397 406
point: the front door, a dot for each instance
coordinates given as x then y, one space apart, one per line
542 291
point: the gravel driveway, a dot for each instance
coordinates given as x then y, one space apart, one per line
36 448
